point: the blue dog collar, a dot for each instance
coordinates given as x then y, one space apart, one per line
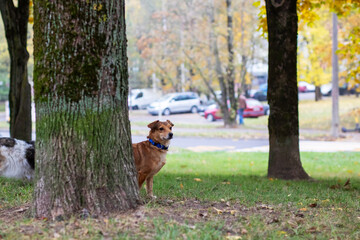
158 145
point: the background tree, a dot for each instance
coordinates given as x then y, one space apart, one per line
15 22
83 145
186 46
284 157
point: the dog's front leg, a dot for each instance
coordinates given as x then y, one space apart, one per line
141 179
149 187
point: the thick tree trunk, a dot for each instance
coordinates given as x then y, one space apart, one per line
84 154
15 21
284 157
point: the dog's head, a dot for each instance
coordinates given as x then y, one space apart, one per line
161 132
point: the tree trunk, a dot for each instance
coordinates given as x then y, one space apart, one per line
84 154
284 157
318 95
15 21
230 70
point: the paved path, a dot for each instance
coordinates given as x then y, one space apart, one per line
198 144
201 144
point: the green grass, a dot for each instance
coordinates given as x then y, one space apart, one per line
213 196
242 176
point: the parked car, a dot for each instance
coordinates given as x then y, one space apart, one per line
254 108
175 103
306 87
141 98
266 109
260 96
326 90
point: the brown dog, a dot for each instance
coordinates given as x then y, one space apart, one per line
150 156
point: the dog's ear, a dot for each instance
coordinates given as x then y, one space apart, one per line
170 122
153 124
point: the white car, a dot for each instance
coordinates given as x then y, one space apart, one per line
175 103
141 98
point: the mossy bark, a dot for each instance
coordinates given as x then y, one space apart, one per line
16 21
284 156
83 148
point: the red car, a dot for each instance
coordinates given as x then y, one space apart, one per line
253 109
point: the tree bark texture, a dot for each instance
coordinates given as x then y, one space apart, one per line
284 157
83 148
15 21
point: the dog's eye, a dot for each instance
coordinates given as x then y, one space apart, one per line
170 128
161 129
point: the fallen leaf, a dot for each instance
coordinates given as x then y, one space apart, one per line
244 231
197 179
336 186
232 212
311 230
313 205
218 211
203 214
303 209
233 237
292 223
181 186
347 183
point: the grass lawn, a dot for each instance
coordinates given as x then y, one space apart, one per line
214 196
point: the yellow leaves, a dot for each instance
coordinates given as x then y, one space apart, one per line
232 212
303 209
256 4
197 179
281 233
181 186
218 211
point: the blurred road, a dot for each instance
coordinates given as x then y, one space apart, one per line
200 144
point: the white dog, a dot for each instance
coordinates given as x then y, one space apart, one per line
17 158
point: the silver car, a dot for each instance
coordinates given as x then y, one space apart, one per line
175 103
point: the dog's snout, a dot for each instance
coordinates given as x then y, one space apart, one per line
171 135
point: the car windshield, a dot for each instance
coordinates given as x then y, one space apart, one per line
164 98
252 103
212 106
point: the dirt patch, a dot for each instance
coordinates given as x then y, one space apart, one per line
229 219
